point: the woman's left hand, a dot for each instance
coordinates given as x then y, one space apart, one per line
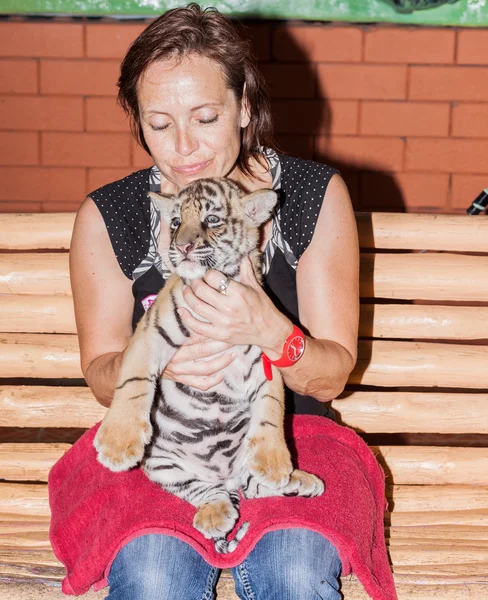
244 315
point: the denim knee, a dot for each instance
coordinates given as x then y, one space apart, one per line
160 567
290 564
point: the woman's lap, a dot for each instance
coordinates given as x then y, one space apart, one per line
289 564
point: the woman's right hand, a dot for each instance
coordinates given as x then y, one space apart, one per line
192 363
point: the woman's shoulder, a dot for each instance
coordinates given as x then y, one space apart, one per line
295 171
133 184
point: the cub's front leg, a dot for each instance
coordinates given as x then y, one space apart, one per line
268 455
126 428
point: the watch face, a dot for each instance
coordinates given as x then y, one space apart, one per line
295 348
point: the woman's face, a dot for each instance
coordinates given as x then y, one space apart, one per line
190 119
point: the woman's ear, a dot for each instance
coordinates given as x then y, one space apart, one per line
245 110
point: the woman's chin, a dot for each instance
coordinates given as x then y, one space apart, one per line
188 269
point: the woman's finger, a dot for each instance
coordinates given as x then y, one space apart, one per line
199 306
202 367
201 383
200 350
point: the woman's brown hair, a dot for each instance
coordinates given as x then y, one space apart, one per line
191 29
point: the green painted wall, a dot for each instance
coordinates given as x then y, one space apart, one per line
462 12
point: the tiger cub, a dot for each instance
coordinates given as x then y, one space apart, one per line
203 446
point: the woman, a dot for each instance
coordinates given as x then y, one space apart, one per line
198 106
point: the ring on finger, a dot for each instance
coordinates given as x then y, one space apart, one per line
224 284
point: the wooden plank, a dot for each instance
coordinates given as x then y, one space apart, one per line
420 364
395 276
35 273
426 465
411 498
451 233
380 363
39 355
426 276
404 465
384 411
372 412
470 518
24 231
414 321
47 406
24 499
36 314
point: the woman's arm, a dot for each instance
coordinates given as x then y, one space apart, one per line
102 299
328 300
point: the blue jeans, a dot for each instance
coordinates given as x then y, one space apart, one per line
289 564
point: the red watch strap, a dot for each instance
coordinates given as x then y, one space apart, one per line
292 352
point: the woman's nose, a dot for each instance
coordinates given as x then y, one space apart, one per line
186 143
184 248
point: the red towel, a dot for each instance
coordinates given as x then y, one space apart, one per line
95 512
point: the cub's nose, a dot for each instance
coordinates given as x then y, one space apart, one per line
184 248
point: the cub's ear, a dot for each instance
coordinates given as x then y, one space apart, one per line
259 206
165 203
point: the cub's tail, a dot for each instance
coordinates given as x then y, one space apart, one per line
222 546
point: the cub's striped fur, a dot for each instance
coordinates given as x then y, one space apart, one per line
203 446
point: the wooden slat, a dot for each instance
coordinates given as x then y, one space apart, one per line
413 412
46 406
470 518
35 273
451 233
411 465
24 499
23 231
420 364
39 355
412 498
380 363
435 276
36 314
429 276
407 321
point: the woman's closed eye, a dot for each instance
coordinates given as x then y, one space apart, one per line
201 121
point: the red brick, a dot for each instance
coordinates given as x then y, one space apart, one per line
447 155
22 207
377 153
41 183
27 112
104 114
48 207
405 191
140 158
86 149
289 81
470 120
100 177
472 44
79 77
111 40
449 83
19 148
41 39
465 189
404 118
314 116
297 145
260 36
373 82
317 43
18 77
409 45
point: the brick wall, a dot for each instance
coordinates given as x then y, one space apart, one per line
402 111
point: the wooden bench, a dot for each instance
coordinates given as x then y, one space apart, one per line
422 369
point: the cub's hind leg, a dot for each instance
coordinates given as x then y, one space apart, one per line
301 484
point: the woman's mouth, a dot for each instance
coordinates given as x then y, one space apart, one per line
191 169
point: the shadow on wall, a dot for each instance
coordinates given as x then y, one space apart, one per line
304 127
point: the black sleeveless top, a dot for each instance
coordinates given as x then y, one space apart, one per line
133 224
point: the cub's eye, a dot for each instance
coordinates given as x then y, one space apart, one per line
212 219
175 223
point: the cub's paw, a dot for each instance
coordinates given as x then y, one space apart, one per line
121 447
304 484
216 519
270 465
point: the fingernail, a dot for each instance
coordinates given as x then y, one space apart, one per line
234 355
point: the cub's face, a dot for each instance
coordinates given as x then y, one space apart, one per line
213 225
